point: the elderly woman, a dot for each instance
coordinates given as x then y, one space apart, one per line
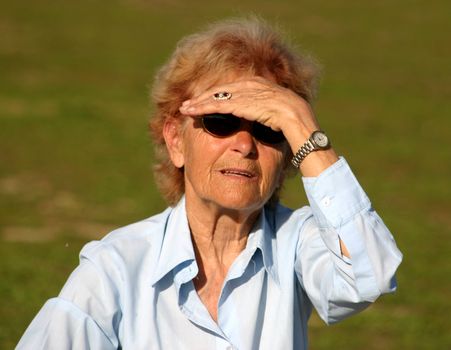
226 266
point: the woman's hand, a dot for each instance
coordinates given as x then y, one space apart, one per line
258 99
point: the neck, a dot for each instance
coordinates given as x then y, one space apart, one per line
218 233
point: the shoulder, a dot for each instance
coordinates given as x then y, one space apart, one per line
144 229
288 224
129 244
283 217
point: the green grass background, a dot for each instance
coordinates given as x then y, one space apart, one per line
75 157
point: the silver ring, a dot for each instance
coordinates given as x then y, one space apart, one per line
223 95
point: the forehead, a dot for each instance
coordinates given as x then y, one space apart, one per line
209 80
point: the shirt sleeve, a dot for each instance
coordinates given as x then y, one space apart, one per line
338 286
84 316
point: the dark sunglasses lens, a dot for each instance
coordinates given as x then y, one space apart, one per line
221 125
267 135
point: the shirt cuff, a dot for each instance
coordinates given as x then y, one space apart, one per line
335 196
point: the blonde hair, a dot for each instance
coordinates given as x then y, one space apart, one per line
248 45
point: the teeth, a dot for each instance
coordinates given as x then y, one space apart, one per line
236 173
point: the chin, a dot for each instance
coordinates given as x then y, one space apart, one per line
239 202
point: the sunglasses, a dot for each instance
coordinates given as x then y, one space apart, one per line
223 125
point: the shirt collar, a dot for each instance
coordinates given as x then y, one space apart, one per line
263 237
177 246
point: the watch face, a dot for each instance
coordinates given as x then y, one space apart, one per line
320 139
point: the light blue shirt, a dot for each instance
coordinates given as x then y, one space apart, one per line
134 290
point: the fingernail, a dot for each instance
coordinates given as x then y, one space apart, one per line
185 103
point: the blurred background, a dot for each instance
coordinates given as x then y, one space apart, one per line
75 156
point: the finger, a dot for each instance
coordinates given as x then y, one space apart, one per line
243 105
209 106
250 111
240 85
232 98
215 96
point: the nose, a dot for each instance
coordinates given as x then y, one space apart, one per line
244 143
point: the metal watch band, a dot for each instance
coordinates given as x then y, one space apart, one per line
303 152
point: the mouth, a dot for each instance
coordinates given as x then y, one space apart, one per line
238 172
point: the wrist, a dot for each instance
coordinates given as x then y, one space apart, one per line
297 134
298 125
318 141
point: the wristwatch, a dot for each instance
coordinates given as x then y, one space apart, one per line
318 140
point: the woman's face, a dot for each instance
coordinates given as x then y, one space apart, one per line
233 173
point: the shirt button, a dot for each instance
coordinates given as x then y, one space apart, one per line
326 201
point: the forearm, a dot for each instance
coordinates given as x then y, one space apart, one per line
348 256
297 129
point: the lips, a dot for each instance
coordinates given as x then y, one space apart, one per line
238 172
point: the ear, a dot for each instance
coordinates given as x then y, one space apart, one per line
173 137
